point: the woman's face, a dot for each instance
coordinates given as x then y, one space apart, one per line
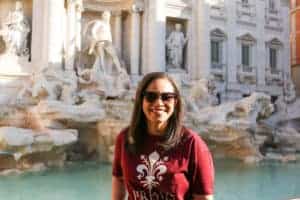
159 110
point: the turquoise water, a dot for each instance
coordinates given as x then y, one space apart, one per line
91 181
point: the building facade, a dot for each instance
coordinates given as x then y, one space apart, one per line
295 42
241 44
252 46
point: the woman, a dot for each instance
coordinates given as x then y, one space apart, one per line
156 158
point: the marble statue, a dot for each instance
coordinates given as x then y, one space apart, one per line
175 44
107 73
101 43
289 91
202 94
15 31
50 84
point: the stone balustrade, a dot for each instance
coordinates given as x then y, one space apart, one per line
273 75
246 74
218 70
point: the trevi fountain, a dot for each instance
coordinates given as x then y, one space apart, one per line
68 74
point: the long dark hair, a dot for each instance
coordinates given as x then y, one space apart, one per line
138 126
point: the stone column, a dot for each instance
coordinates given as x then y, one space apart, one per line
48 33
201 68
73 32
118 32
55 22
135 41
39 34
261 53
231 70
156 36
70 36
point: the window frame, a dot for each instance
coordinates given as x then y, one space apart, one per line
245 55
273 58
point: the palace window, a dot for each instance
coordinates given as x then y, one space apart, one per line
215 51
246 43
245 55
217 39
273 58
272 5
273 48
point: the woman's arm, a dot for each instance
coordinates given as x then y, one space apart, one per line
203 197
118 188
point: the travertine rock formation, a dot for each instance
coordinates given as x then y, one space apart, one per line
19 146
230 128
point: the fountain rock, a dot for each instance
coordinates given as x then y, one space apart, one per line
230 127
19 146
89 111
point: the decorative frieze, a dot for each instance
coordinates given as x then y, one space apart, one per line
273 19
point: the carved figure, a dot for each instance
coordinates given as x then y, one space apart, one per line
15 31
175 44
51 84
101 43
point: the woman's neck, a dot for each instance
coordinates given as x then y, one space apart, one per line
156 128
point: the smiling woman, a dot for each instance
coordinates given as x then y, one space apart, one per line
156 157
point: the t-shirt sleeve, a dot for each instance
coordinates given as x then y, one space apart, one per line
202 168
116 166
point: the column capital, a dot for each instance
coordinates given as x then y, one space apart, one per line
117 13
77 4
137 8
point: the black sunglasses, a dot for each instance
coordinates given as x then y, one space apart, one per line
164 96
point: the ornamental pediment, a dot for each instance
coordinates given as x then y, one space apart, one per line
247 38
275 41
218 33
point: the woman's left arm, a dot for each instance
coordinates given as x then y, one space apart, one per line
203 197
202 171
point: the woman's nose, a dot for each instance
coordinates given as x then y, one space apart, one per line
159 101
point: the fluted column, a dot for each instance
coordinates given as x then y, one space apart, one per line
47 33
260 64
156 36
73 35
135 41
55 22
39 31
118 32
201 65
231 70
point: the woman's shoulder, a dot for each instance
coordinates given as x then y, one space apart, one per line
190 133
193 137
122 134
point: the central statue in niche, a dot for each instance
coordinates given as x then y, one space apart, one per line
111 78
101 43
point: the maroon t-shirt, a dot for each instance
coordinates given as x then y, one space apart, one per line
157 174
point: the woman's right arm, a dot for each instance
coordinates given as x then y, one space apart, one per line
118 188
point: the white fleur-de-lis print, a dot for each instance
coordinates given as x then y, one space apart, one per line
151 171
